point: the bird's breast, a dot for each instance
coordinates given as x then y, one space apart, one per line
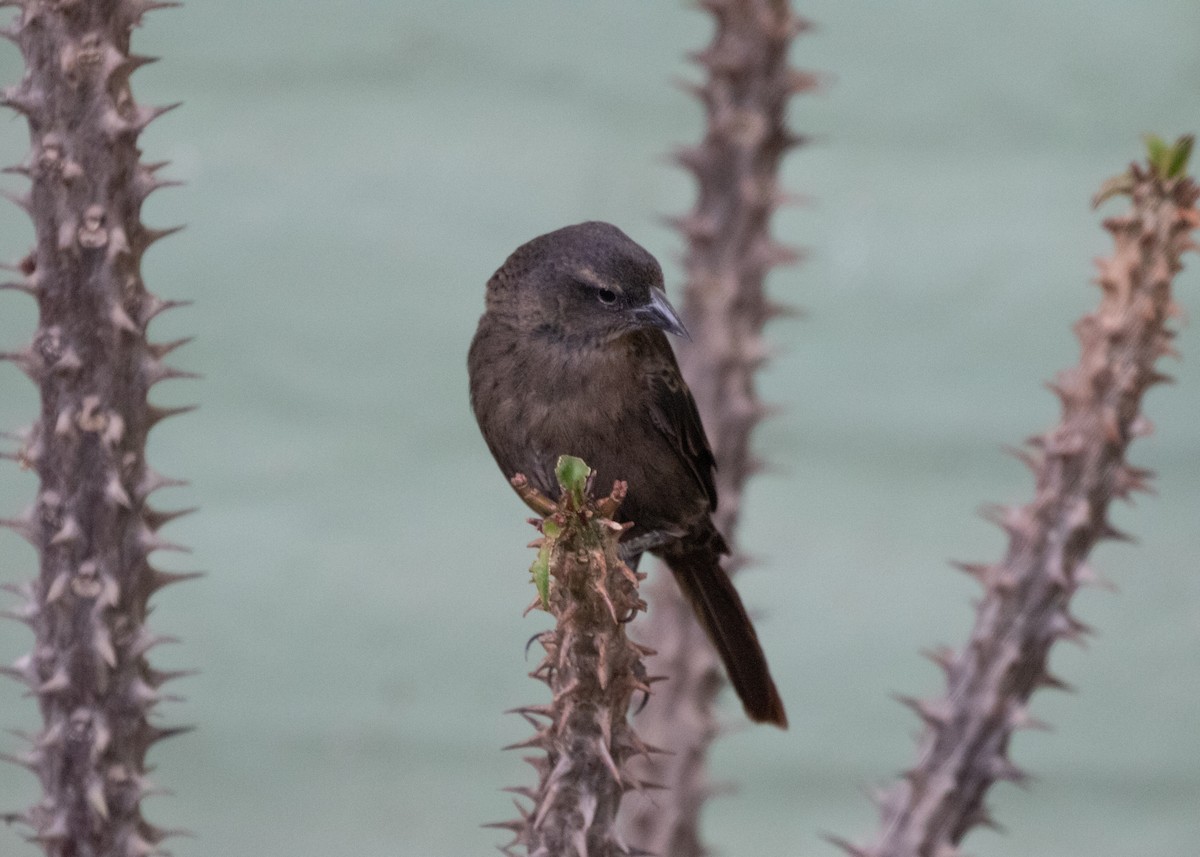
573 405
536 401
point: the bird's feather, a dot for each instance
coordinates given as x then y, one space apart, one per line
673 412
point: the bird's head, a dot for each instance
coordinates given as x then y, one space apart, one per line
590 282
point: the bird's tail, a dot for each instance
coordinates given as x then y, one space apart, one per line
697 569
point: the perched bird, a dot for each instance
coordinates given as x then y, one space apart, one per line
570 358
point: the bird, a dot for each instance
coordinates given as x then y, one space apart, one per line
571 357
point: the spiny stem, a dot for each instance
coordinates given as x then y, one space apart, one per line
1079 467
94 365
729 252
592 670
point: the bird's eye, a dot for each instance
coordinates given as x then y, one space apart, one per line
606 296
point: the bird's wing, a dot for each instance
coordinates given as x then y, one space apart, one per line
674 413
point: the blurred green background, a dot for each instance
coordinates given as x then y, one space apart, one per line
356 171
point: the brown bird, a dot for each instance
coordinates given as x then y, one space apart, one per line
570 359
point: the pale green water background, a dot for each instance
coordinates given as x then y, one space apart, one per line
357 170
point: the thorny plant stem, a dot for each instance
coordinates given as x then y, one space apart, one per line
728 256
1079 467
593 671
92 524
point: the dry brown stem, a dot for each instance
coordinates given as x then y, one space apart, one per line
729 253
92 524
1079 467
593 670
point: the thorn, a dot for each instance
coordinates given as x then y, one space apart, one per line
1108 531
132 62
846 845
1085 575
137 9
1047 679
1024 456
121 320
19 286
771 310
162 579
694 159
23 101
96 799
537 741
21 590
25 615
115 492
145 115
158 834
981 572
24 527
156 414
943 656
523 791
1153 378
157 371
162 349
766 254
1141 427
150 542
156 519
53 736
64 424
1067 627
102 643
157 678
57 682
1014 520
936 712
58 587
1019 718
148 237
29 761
1128 480
21 200
25 360
158 733
538 763
147 640
152 481
69 362
147 185
1002 768
1067 389
69 532
694 227
796 81
17 674
634 851
154 306
785 140
540 710
982 817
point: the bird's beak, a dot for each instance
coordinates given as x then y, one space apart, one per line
659 313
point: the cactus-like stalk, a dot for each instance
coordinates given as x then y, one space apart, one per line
92 524
729 254
1079 467
593 670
